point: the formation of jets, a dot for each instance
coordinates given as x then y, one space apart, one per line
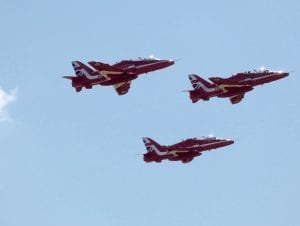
121 74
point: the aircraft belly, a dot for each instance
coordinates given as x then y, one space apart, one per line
151 157
184 154
235 91
203 95
118 80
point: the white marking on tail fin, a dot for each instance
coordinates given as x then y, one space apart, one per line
152 146
200 83
83 70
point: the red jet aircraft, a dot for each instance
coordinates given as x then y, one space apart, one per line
118 75
183 151
233 87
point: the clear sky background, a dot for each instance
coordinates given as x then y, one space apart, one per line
73 159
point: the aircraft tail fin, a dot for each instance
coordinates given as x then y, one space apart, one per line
200 83
83 70
152 145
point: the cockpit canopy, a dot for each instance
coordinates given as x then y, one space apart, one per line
255 71
261 70
209 137
148 58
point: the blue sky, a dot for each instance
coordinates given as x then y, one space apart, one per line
71 158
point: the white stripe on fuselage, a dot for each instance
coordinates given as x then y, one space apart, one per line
101 74
261 77
146 65
176 152
224 86
205 145
105 73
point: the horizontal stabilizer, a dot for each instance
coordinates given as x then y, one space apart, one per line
69 77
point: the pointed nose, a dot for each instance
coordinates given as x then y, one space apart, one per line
230 142
166 63
281 75
170 62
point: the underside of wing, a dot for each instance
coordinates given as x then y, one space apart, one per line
122 88
236 99
69 77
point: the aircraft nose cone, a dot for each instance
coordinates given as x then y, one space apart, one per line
281 75
229 142
167 63
171 62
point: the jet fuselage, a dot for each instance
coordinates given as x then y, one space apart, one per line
184 151
251 78
119 75
143 66
233 87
